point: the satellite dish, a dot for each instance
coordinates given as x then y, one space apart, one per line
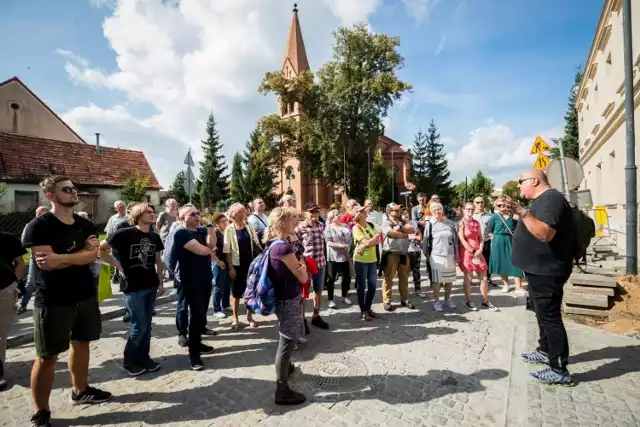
575 174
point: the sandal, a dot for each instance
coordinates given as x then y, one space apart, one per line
252 323
235 327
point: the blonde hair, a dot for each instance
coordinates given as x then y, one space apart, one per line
138 210
332 214
235 208
276 218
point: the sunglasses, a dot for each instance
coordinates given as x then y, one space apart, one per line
479 202
69 190
194 213
520 181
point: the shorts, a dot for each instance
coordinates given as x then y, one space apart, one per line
317 281
55 327
239 284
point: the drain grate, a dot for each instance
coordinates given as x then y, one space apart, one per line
336 373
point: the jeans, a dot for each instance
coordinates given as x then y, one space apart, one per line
196 299
182 313
283 358
221 289
366 278
140 305
333 268
546 293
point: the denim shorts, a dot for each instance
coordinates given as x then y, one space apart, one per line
317 280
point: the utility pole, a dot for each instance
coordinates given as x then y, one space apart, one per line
393 179
631 170
563 171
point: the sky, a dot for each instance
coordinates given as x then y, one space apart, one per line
145 74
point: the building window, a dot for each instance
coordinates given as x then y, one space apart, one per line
25 201
608 61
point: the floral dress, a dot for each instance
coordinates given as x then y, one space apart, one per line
468 260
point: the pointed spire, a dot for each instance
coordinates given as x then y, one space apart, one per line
296 52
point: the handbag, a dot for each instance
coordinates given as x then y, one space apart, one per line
104 283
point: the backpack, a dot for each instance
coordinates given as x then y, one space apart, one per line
259 296
584 229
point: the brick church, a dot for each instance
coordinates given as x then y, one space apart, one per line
304 188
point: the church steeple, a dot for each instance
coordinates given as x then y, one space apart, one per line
295 55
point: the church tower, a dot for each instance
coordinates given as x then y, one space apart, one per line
295 58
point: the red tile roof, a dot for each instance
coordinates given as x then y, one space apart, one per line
30 159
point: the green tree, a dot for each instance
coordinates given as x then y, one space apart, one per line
260 175
238 193
195 197
177 191
419 163
479 185
135 189
213 168
570 140
380 181
437 166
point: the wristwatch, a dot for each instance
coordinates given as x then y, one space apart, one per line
526 212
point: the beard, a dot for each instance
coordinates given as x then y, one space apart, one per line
69 204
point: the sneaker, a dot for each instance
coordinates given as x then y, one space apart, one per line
536 356
520 293
3 384
388 307
490 306
307 331
205 349
90 396
134 370
319 323
332 304
21 310
126 318
302 340
505 289
452 305
347 301
421 294
151 365
550 376
195 361
408 305
437 306
372 314
219 315
183 341
365 316
42 418
471 305
286 396
209 332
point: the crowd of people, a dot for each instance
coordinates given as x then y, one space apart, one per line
210 262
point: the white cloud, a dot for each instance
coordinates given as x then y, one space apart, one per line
496 151
420 10
188 58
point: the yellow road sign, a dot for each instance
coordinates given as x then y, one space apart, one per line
539 146
541 162
601 219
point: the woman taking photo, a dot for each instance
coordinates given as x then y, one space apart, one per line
338 238
440 245
502 225
367 240
287 274
471 259
240 247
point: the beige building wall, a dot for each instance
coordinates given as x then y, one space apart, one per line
22 113
601 116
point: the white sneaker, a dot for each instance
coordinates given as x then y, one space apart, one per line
421 294
437 306
332 304
505 289
347 301
520 293
219 315
452 305
302 340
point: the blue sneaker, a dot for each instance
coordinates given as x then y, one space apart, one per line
551 377
536 357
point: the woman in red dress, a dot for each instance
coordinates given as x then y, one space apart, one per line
471 259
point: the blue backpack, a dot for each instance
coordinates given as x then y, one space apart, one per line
259 296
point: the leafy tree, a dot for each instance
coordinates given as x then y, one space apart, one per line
380 181
135 189
177 190
260 175
480 185
570 139
213 168
437 166
238 193
419 163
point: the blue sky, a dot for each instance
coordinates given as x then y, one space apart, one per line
145 73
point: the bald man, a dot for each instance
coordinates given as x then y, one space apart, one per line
542 248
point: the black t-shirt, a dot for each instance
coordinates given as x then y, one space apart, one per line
546 259
192 269
123 224
10 249
64 286
244 246
137 253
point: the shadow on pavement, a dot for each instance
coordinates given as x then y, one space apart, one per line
626 360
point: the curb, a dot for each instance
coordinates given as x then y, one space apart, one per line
27 337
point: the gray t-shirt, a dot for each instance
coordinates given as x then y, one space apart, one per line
484 219
443 236
399 246
166 221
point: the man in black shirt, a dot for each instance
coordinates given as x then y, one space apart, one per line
542 248
12 268
140 267
66 304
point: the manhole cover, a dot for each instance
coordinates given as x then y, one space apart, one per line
336 373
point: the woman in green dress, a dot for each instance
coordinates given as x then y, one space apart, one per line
502 225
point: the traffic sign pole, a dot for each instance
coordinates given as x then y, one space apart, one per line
563 169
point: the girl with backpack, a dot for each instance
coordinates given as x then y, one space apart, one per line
287 274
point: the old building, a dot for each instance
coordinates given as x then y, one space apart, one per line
601 115
35 142
305 188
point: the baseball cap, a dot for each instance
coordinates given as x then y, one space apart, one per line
311 207
393 206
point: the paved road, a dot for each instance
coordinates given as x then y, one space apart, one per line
408 368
